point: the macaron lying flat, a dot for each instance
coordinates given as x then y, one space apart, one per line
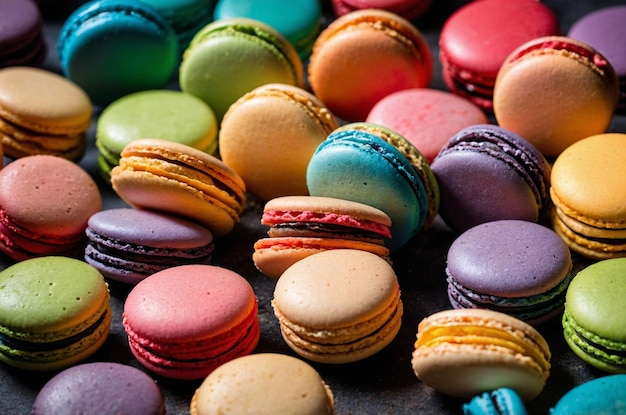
269 135
516 267
114 47
593 324
466 352
587 193
502 401
21 38
45 203
488 173
371 164
164 114
408 9
175 178
263 383
184 322
105 388
41 112
301 226
604 395
54 313
128 245
230 57
338 306
531 86
363 56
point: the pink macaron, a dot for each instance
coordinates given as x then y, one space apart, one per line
185 321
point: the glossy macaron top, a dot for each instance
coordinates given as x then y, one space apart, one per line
48 296
43 101
230 57
531 85
264 383
603 395
99 387
345 69
299 21
114 47
47 195
588 181
269 135
408 9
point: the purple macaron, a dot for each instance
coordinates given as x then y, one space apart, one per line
488 173
21 34
515 267
102 388
605 31
128 244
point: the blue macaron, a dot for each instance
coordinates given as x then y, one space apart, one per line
364 163
114 47
502 401
604 395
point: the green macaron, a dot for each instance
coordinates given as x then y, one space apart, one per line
54 312
594 322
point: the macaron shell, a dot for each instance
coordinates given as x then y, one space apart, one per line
21 40
408 9
603 395
289 386
502 401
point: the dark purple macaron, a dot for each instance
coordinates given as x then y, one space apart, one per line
128 244
605 31
515 267
488 173
21 34
101 388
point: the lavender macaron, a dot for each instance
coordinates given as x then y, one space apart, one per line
128 245
488 173
516 267
103 388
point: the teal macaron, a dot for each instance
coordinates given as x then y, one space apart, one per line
371 164
601 396
54 313
230 57
502 401
594 322
114 47
300 21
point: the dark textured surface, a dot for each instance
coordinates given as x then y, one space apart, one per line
382 384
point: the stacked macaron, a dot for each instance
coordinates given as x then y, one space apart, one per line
21 38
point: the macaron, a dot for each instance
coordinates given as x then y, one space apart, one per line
269 135
477 38
300 226
128 245
54 313
45 203
185 321
466 352
357 158
408 9
105 388
299 21
41 112
263 383
158 113
501 401
21 38
594 326
602 29
338 306
230 57
362 56
485 173
603 395
516 267
114 47
555 91
587 194
426 117
175 178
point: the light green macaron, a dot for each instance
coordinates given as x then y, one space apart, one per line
54 312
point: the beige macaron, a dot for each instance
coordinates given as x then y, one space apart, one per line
264 383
